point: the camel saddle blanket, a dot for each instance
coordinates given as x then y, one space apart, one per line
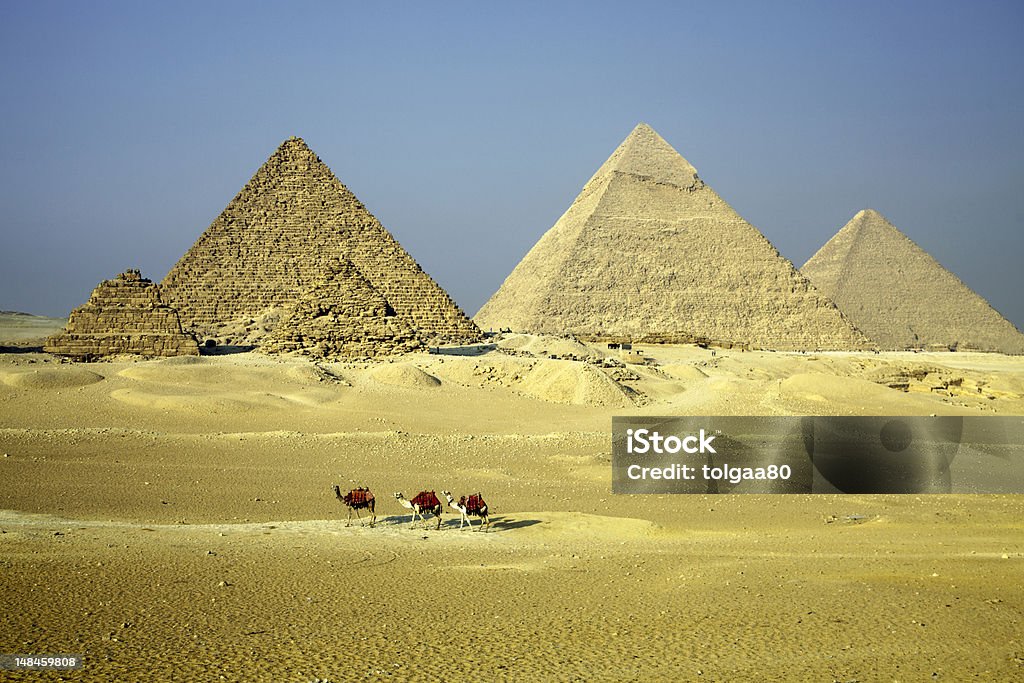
426 500
475 503
359 497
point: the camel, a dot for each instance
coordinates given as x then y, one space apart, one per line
476 506
425 501
357 499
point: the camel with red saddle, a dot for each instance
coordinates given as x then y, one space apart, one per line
357 499
474 505
424 502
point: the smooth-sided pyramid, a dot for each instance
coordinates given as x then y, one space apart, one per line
649 252
124 315
279 237
901 297
343 316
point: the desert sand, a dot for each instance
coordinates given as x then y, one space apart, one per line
173 520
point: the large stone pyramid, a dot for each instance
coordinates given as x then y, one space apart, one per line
343 316
123 316
278 238
901 297
649 252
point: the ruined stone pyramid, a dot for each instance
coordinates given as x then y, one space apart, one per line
127 316
647 251
278 238
901 297
343 316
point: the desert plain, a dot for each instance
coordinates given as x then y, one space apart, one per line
174 520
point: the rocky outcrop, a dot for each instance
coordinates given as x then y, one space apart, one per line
123 316
280 236
648 251
900 296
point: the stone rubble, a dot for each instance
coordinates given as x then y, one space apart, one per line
343 316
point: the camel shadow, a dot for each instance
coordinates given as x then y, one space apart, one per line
507 524
406 520
497 523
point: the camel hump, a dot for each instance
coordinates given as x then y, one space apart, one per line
426 500
358 497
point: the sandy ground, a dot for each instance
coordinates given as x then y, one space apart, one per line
173 520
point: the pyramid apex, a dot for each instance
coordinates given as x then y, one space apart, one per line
870 221
294 141
644 134
294 148
646 154
870 213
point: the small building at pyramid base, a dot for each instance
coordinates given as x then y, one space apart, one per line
123 316
344 316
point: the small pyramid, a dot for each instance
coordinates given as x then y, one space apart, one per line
123 316
647 251
279 237
901 297
343 316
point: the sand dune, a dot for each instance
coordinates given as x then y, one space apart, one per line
404 375
578 384
51 378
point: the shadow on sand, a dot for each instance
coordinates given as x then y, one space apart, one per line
21 349
452 522
507 523
225 350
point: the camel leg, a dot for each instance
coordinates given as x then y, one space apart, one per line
348 520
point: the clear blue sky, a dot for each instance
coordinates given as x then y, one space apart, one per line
469 127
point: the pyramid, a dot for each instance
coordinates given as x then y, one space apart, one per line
278 238
343 316
648 252
125 315
901 297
